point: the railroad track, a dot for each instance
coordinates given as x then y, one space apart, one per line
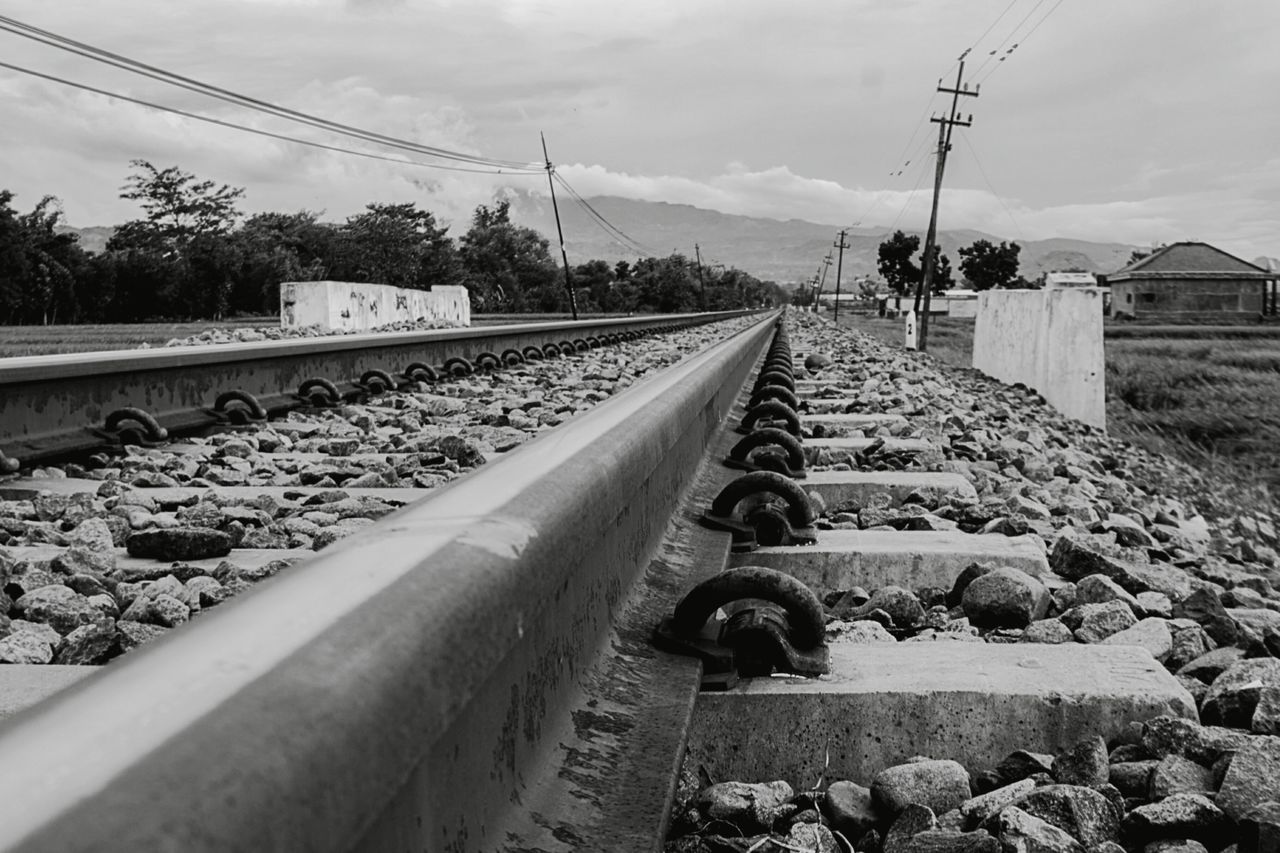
478 671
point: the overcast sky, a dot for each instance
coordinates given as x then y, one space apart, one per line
1136 121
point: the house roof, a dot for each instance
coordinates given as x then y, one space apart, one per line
1190 260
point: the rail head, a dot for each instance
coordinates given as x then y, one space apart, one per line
291 718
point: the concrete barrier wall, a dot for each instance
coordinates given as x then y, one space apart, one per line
352 306
1049 340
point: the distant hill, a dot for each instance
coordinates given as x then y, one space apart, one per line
772 249
92 239
781 250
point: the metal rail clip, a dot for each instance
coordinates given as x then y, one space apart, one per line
777 512
778 629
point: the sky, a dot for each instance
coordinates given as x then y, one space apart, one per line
1138 122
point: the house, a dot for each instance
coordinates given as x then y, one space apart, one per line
1192 281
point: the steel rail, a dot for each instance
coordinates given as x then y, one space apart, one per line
402 689
50 406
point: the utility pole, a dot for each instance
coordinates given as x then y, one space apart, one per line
945 125
826 265
841 245
568 284
702 285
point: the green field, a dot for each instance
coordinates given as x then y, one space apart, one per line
49 340
1207 395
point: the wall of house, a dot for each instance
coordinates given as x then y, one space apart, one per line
351 306
1187 296
1049 340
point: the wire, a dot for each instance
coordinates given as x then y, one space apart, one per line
983 172
96 54
616 234
998 19
1023 40
1008 36
911 195
255 130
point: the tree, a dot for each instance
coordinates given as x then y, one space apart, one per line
178 209
987 265
396 244
509 267
596 277
895 262
38 265
942 277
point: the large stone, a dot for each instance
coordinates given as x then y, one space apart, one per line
749 807
1208 666
1175 774
1084 764
1177 816
1019 831
1022 764
1205 608
1132 778
1234 694
1266 716
94 643
940 785
849 808
902 605
1047 631
1253 777
1165 735
1151 634
1260 828
1085 814
180 543
1100 621
1099 589
1005 598
25 647
1075 558
130 634
57 606
978 809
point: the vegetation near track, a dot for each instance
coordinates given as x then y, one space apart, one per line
194 255
51 340
1207 395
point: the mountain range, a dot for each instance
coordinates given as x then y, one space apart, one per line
785 251
780 250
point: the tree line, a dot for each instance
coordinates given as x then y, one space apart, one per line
983 264
193 255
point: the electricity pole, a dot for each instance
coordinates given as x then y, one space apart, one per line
841 245
826 265
945 125
568 284
702 285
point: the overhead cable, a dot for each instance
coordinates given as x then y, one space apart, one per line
617 234
258 131
96 54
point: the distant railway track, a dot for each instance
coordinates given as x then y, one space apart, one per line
543 653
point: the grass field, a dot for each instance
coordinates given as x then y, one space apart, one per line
48 340
1207 395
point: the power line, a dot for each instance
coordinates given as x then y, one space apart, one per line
965 138
998 19
257 131
1023 40
1008 36
617 234
919 179
96 54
